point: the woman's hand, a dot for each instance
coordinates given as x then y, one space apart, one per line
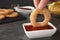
41 3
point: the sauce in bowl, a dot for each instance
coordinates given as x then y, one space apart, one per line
26 8
31 28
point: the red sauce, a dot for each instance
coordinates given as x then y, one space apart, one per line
25 8
31 28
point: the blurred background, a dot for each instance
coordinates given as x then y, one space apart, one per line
8 3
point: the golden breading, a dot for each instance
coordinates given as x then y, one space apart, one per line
2 17
10 10
14 14
6 11
34 15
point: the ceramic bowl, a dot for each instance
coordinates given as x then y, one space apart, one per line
24 12
40 33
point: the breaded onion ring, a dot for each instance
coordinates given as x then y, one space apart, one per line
2 17
4 11
10 10
34 14
14 14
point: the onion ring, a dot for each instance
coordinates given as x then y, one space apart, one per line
6 11
2 17
34 14
14 14
3 12
10 10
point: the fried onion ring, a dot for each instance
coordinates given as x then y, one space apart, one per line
3 11
2 17
10 10
14 14
6 11
34 14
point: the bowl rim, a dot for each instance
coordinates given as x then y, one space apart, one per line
54 28
16 7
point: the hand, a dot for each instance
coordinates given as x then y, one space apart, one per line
41 3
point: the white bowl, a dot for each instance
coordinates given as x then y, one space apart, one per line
24 12
40 33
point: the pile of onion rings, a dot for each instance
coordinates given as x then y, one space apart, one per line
7 13
34 14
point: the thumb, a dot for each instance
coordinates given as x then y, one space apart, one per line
42 4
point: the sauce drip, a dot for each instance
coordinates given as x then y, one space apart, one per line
26 8
31 28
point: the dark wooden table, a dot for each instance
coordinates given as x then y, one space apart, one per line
14 30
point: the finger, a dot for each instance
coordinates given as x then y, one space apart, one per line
36 2
43 3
